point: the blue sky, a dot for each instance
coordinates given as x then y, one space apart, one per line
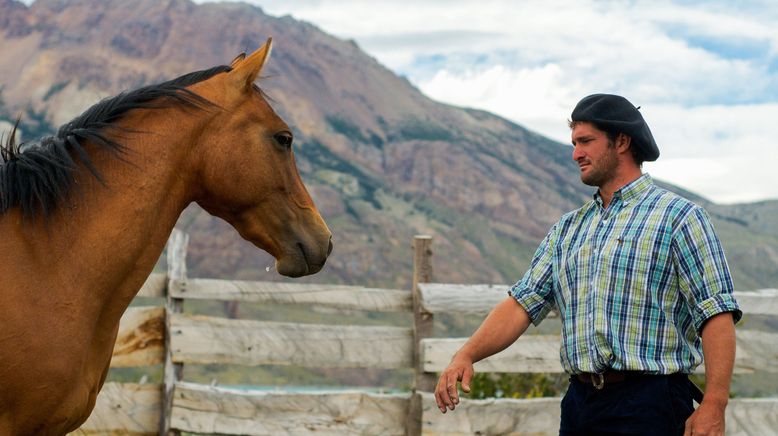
704 73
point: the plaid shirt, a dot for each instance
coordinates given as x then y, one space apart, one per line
634 283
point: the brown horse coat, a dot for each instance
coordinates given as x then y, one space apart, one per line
65 280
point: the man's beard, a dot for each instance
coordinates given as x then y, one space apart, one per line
605 169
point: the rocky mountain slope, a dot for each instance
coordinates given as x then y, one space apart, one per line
382 161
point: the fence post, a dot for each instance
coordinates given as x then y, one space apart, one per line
422 328
176 272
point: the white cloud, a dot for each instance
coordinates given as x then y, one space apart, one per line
706 75
636 48
532 97
722 152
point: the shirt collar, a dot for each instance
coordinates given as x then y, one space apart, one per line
630 191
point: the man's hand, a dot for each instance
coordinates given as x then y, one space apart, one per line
707 420
446 394
501 328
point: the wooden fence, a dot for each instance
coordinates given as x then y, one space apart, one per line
153 335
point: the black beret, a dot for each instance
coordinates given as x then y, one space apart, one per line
614 113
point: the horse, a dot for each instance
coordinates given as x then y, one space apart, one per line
85 214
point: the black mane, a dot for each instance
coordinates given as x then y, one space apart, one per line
38 176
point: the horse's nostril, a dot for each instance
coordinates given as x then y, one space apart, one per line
329 249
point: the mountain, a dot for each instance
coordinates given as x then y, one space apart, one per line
382 161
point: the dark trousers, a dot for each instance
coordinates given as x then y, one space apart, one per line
640 405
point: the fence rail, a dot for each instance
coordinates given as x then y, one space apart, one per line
156 335
756 351
205 409
480 299
141 338
133 409
335 296
125 408
201 339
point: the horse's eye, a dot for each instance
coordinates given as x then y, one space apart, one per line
284 139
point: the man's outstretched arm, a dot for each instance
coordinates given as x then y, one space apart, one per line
505 323
718 349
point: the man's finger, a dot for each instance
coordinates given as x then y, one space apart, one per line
687 430
453 393
451 390
438 399
441 394
467 376
444 392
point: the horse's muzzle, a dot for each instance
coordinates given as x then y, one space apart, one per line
303 260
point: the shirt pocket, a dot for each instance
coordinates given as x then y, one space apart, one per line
627 257
639 261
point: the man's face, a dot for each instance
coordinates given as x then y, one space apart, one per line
595 155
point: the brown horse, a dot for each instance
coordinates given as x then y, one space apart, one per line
85 214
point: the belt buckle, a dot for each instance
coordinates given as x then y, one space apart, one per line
598 380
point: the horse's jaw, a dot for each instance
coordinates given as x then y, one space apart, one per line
300 246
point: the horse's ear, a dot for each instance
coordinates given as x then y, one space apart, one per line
246 71
237 60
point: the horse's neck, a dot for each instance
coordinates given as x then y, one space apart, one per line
114 234
65 282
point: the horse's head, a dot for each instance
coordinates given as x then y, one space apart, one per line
247 172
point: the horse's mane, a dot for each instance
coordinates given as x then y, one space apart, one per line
38 176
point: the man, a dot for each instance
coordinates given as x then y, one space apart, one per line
642 287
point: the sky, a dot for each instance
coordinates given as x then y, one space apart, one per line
705 74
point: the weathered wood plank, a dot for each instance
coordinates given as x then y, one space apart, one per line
201 339
154 287
173 372
759 302
756 350
465 299
530 354
336 296
752 416
141 339
125 409
480 299
130 409
205 409
540 416
422 328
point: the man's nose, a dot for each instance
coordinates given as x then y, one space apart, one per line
577 153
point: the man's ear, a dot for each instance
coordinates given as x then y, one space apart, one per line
623 142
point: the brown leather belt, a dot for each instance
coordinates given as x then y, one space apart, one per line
600 380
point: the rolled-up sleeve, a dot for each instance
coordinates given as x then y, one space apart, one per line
534 290
703 274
